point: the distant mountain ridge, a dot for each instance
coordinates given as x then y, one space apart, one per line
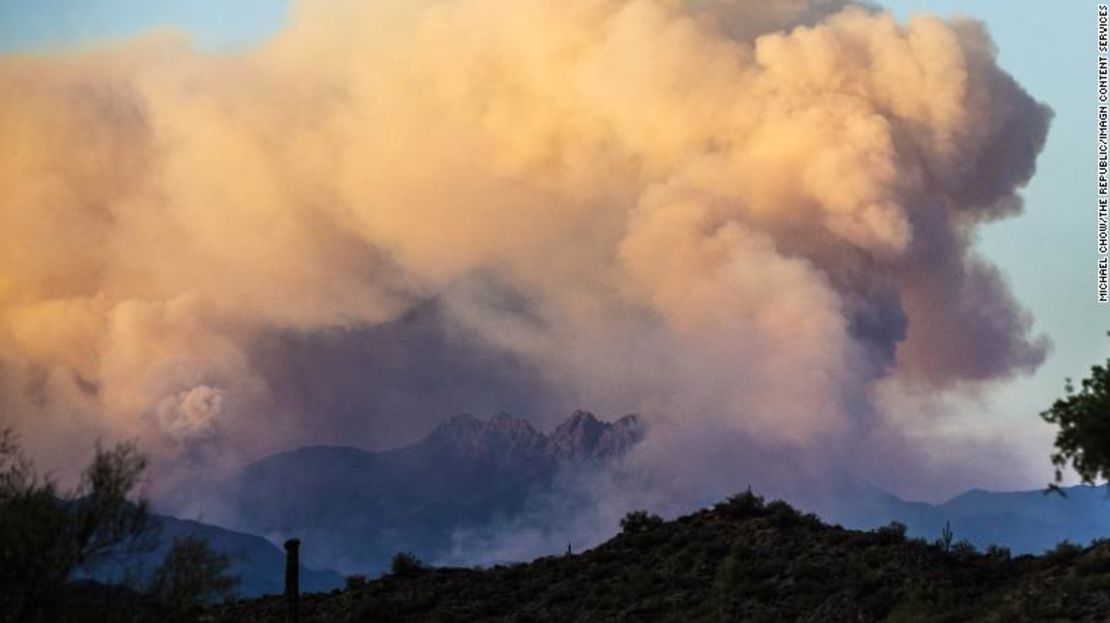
354 508
582 437
259 564
357 508
1027 522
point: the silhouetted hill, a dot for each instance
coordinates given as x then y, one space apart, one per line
357 508
740 561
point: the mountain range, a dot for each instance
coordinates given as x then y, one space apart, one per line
354 509
1027 522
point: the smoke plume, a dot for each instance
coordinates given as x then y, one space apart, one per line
738 215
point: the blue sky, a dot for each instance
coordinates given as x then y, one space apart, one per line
213 24
1048 252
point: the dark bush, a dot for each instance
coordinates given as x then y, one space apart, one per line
637 522
47 534
893 532
1095 563
964 550
742 506
192 576
782 514
1064 551
812 520
406 564
356 581
997 552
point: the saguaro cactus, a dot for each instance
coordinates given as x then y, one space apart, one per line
292 580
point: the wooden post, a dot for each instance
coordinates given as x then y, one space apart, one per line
292 580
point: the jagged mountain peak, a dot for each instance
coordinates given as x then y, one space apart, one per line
581 418
359 507
583 436
505 436
502 439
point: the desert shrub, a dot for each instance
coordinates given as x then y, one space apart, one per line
742 505
1063 552
637 522
782 514
893 532
1095 563
192 576
406 564
997 552
46 534
812 520
964 550
357 581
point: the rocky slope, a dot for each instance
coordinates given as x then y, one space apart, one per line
740 561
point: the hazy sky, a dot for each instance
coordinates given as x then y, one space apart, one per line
1047 252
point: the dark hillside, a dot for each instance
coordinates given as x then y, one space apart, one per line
740 561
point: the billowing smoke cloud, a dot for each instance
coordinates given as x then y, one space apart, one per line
737 214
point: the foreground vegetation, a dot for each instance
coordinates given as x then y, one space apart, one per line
52 540
740 561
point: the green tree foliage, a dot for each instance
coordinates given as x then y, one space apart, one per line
192 576
1083 418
